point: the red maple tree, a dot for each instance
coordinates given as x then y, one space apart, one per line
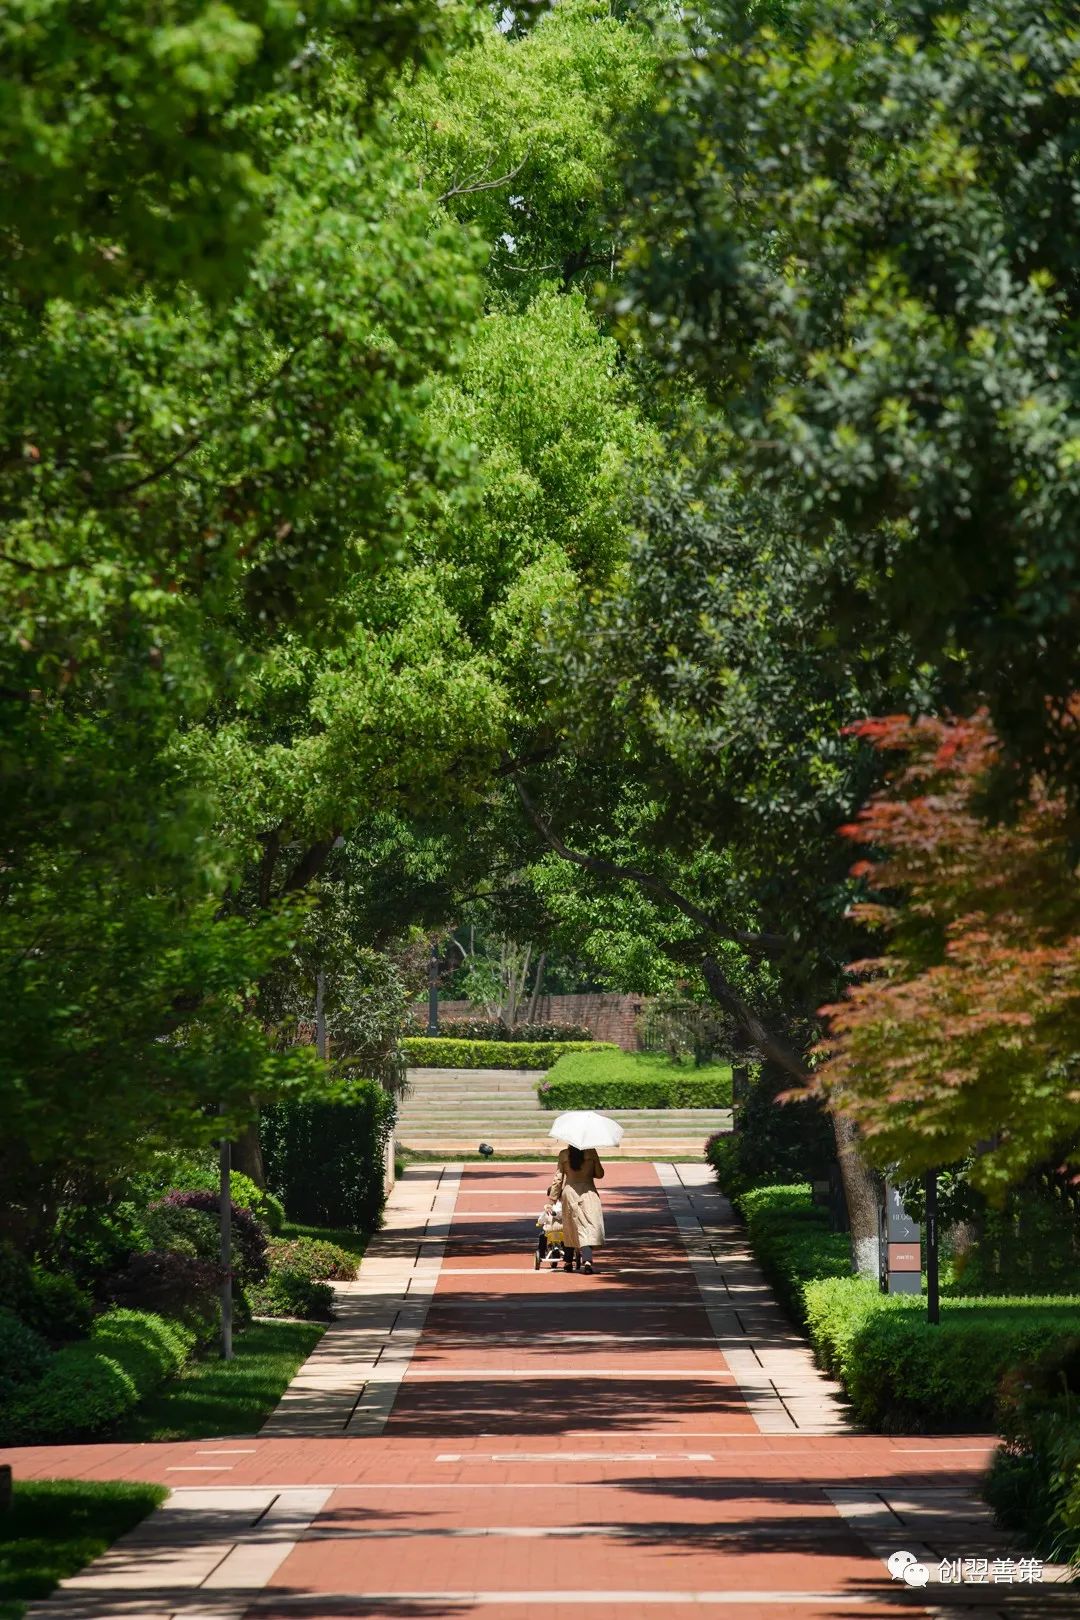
964 1033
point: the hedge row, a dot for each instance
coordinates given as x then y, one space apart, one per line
683 1092
433 1052
88 1386
901 1374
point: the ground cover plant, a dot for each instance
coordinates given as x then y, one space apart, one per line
55 1527
611 1078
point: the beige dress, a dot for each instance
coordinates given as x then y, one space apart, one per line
583 1213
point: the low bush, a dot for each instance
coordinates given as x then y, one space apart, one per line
462 1029
248 1237
313 1258
325 1159
168 1281
88 1386
1034 1482
906 1375
292 1293
426 1052
24 1355
50 1303
793 1242
902 1374
176 1228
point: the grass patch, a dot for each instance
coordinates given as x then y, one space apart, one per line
215 1397
57 1526
612 1078
354 1243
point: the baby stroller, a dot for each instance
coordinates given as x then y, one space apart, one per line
549 1242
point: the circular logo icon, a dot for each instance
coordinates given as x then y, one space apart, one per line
898 1562
916 1574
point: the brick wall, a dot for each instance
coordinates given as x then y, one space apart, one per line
606 1016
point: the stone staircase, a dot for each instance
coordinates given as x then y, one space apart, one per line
454 1110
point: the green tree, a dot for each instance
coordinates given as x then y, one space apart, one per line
851 223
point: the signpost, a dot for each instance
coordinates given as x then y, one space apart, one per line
899 1248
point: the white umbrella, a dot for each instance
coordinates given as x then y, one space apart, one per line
584 1129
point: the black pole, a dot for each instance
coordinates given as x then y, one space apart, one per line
225 1203
933 1301
433 991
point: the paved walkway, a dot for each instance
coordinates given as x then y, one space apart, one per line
474 1438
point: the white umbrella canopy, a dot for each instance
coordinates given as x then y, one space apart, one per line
584 1129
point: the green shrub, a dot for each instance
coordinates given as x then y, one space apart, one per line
177 1229
905 1375
291 1293
1034 1481
425 1052
793 1242
325 1159
776 1143
170 1282
688 1092
50 1303
24 1355
480 1029
606 1077
88 1386
313 1258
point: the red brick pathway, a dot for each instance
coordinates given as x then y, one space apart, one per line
557 1443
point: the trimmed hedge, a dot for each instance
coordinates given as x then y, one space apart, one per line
1034 1481
611 1078
433 1052
561 1095
478 1029
902 1374
325 1159
88 1386
793 1242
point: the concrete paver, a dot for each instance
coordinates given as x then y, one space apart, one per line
474 1438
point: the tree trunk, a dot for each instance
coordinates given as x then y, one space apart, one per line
247 1154
530 1017
861 1193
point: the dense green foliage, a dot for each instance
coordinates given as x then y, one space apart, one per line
325 1159
88 1386
900 1372
432 1052
1034 1483
610 1078
56 1527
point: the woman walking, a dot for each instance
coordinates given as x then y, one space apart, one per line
582 1212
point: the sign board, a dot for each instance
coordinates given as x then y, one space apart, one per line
899 1247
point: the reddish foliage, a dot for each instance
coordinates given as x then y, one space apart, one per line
966 1028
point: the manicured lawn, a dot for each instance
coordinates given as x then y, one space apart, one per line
353 1243
57 1526
215 1397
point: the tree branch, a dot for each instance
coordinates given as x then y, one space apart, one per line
484 185
725 995
310 863
657 886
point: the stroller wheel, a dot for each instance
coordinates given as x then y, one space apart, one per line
536 1261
